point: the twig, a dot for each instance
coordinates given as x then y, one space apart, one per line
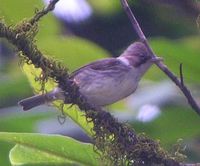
43 12
196 164
181 74
160 64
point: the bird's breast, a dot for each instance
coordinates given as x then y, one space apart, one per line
106 88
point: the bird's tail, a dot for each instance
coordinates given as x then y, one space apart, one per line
31 102
28 103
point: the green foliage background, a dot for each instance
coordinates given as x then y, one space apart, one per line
175 122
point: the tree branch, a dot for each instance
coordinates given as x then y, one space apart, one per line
160 64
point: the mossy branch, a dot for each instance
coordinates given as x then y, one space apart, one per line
117 141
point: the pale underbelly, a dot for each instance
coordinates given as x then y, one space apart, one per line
109 91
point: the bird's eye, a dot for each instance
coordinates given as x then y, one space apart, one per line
142 57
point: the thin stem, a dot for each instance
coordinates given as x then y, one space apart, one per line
181 74
195 164
160 64
43 12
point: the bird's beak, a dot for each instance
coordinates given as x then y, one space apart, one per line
156 59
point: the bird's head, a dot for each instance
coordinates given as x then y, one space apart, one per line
136 54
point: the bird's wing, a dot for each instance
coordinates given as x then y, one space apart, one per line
100 65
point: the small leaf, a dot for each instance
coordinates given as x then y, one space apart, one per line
26 156
40 149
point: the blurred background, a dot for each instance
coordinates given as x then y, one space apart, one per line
81 31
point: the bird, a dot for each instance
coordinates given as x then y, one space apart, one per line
105 81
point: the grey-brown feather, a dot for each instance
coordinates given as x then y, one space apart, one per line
107 84
28 103
33 101
106 81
